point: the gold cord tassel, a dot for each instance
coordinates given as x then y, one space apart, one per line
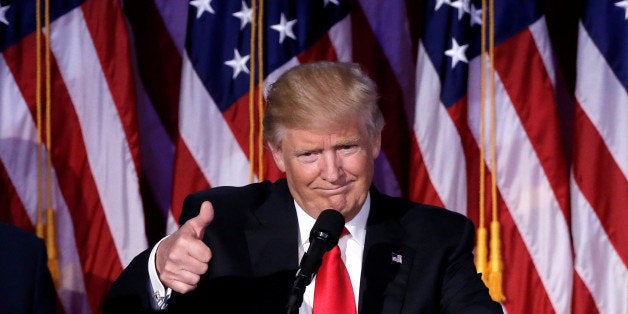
496 265
45 230
492 275
51 245
481 249
481 254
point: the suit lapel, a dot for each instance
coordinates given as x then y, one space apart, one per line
273 243
386 261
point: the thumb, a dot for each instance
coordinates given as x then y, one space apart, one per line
203 219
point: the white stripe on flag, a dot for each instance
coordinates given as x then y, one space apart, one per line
340 36
539 32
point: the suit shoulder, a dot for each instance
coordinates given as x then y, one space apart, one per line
19 238
403 206
423 218
254 190
232 198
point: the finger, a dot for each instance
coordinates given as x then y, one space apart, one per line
196 267
203 219
187 277
188 272
178 261
199 251
179 286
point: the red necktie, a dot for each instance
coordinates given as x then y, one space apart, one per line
333 293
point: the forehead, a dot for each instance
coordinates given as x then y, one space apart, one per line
351 132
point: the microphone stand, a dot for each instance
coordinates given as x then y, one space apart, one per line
296 293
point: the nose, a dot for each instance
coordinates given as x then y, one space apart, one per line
331 167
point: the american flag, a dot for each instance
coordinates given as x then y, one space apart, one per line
599 172
151 101
531 171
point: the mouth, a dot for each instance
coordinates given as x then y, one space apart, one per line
333 190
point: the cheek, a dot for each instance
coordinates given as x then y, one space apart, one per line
358 165
302 174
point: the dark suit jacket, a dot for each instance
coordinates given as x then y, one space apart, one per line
25 282
254 241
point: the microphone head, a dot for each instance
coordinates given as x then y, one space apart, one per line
328 227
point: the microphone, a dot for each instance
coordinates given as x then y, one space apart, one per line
323 237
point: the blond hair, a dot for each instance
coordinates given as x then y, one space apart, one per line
321 95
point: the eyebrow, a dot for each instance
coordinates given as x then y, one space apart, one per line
348 141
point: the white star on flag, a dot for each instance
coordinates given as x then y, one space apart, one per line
440 3
476 15
238 63
3 12
457 53
623 4
202 6
462 7
245 15
285 28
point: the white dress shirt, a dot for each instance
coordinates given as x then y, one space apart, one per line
351 248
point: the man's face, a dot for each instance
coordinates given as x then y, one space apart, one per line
328 169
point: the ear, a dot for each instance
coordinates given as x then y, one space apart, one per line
377 145
278 156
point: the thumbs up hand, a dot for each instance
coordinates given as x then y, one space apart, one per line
182 257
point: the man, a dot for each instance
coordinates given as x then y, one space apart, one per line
25 282
238 248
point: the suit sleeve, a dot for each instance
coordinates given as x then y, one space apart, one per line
463 290
130 292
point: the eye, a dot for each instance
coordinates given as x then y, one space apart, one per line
307 157
348 149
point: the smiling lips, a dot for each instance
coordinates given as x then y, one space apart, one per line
334 190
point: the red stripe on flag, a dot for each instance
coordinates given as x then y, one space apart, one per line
188 179
97 252
601 181
108 30
530 90
322 49
582 301
421 189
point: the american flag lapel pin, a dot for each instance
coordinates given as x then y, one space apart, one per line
396 258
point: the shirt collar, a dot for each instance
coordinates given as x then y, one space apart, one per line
356 226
